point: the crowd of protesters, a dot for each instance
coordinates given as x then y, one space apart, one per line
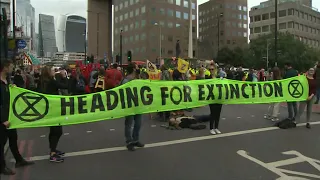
82 80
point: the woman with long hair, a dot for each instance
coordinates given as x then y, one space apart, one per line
48 85
274 108
310 100
215 108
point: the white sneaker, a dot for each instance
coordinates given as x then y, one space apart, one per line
217 131
212 132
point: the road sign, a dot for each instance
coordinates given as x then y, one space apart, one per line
21 44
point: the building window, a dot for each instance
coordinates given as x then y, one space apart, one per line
170 38
245 34
290 12
178 14
126 28
257 18
115 8
244 8
240 25
290 24
265 28
143 9
234 33
251 31
234 24
239 8
228 23
170 25
245 17
161 23
120 6
137 25
240 34
251 19
121 18
257 30
131 2
131 14
131 38
265 16
185 16
143 49
170 1
137 12
116 19
245 26
143 23
126 4
193 5
178 25
186 3
170 12
283 26
162 12
193 17
178 2
143 36
125 40
282 13
131 26
137 37
126 16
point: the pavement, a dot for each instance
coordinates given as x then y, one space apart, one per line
249 148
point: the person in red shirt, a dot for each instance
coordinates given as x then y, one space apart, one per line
113 77
311 98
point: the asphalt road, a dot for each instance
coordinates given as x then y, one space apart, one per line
243 152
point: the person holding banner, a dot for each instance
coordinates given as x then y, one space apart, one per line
48 85
311 99
215 109
6 68
132 135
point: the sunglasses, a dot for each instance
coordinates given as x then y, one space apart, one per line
211 69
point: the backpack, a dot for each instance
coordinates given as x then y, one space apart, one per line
286 124
81 85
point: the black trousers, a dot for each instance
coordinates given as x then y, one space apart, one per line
13 144
3 141
54 137
12 135
215 112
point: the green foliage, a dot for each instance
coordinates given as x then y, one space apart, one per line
300 55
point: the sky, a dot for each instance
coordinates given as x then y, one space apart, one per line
59 7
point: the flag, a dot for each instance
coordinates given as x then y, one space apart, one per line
183 65
151 68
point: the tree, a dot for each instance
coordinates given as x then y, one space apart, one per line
226 56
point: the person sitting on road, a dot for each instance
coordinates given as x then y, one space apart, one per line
179 120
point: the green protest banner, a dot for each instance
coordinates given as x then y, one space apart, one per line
31 109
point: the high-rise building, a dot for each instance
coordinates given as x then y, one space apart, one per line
294 16
151 25
222 23
71 33
47 37
25 19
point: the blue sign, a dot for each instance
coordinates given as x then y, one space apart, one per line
21 44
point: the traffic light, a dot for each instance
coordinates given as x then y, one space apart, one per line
129 55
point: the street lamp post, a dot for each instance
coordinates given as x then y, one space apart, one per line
220 15
160 45
190 47
276 33
85 46
121 47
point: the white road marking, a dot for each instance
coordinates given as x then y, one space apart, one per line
166 143
274 166
223 118
252 115
43 136
66 134
89 131
112 129
238 117
153 126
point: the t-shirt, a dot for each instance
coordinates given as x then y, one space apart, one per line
312 86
